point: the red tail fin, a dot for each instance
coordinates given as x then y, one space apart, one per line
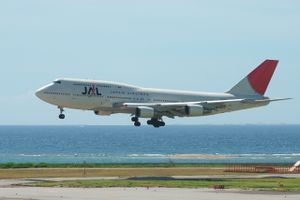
256 83
261 76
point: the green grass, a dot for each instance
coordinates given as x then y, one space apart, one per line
278 184
98 165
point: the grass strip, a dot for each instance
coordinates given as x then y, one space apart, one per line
274 184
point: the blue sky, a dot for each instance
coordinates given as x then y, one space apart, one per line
189 45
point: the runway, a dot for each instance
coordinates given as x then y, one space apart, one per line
36 193
9 190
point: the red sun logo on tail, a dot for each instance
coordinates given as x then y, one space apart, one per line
260 77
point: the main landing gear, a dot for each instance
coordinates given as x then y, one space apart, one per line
136 121
156 122
153 121
61 115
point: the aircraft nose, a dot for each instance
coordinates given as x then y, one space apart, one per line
39 93
42 93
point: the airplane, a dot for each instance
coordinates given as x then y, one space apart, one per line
106 98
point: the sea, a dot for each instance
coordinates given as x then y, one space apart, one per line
209 144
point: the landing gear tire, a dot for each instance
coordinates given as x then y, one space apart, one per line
134 119
156 123
137 124
61 116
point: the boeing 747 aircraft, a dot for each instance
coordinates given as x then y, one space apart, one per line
106 98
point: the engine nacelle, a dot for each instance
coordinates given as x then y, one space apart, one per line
144 112
194 110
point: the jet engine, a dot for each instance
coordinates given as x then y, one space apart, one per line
144 112
194 110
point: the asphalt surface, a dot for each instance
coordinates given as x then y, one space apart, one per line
8 182
34 193
9 191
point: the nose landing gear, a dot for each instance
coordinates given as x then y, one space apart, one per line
61 115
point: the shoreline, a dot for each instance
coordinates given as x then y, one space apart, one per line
13 165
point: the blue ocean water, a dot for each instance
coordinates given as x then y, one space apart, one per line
127 144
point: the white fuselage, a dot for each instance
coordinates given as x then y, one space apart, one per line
102 96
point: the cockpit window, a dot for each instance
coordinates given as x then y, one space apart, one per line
57 81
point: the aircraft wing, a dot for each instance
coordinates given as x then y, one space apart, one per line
172 110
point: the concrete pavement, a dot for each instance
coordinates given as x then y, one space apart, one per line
37 193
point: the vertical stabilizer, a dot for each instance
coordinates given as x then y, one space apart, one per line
256 83
292 169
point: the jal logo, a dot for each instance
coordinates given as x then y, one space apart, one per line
91 91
